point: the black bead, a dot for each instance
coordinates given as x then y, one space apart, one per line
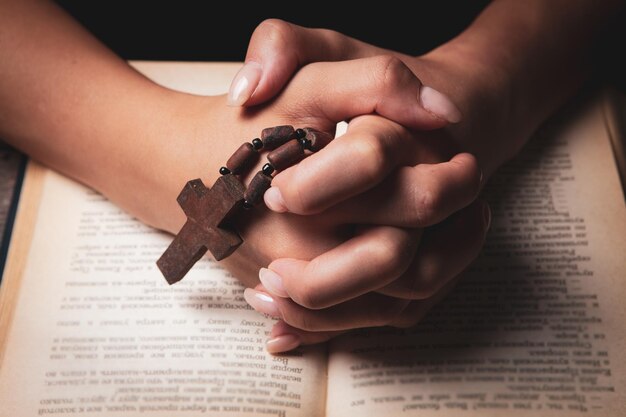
257 144
300 133
306 144
247 205
267 169
224 171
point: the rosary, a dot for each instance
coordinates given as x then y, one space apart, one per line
209 210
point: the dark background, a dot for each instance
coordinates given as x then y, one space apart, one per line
194 31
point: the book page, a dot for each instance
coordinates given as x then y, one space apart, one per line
536 328
97 331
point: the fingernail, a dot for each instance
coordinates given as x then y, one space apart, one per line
439 104
261 302
487 216
282 343
274 200
244 84
272 282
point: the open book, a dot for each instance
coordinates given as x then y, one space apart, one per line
89 327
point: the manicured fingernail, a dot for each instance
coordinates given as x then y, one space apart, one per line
439 105
487 216
274 200
261 302
272 282
244 84
282 343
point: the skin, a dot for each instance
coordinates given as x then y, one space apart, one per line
72 104
69 102
507 72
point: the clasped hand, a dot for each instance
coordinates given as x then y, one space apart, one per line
374 228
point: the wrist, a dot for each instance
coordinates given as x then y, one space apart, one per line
163 141
189 137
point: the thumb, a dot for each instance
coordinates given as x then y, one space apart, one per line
278 49
381 85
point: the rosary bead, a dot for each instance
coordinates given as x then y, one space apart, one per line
242 159
247 205
273 137
317 139
257 144
224 171
267 169
300 133
305 143
259 184
287 155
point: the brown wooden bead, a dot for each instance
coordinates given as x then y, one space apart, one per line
242 159
287 155
273 137
317 139
259 184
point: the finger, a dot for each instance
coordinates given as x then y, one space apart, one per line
368 261
347 166
278 48
368 310
284 337
413 197
444 252
362 158
383 85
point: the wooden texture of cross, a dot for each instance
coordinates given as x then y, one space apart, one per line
208 212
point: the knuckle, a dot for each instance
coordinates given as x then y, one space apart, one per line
274 30
298 199
391 72
332 37
371 154
309 292
420 283
391 254
427 285
428 203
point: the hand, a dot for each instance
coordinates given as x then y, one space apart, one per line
373 278
327 293
96 117
443 253
460 80
278 49
365 85
137 143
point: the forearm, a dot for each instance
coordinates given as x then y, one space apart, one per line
515 65
68 101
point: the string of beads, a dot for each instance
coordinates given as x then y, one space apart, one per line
288 146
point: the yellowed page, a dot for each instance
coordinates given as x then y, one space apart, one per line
30 197
537 326
96 330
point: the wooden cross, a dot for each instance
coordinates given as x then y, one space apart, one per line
208 211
